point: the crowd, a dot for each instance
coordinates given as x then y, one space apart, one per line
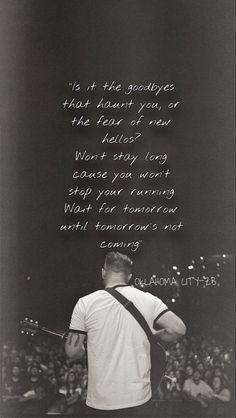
37 377
199 370
197 359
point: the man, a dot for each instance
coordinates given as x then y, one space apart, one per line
196 389
118 348
35 396
13 388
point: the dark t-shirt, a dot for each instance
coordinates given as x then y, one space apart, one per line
14 388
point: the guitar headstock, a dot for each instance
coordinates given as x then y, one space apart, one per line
29 327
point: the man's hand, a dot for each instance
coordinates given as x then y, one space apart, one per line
74 346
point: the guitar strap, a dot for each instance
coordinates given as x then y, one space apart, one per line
134 311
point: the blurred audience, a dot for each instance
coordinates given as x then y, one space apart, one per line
38 378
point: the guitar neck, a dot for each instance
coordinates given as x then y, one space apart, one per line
31 327
61 335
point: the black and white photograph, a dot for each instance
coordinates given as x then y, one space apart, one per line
117 208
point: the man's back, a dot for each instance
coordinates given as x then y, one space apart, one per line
118 349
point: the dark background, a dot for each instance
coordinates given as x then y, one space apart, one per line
44 46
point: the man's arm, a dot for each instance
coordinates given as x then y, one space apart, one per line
172 327
224 396
74 346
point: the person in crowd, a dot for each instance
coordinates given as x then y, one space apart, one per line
29 361
34 397
220 392
201 369
196 389
52 386
207 376
188 371
179 378
171 387
72 390
14 386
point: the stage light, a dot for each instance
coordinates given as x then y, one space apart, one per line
173 300
218 264
178 273
190 267
175 268
154 276
201 258
224 255
203 267
193 261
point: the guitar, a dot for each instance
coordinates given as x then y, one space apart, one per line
31 327
158 354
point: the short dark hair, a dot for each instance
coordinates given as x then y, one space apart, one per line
118 262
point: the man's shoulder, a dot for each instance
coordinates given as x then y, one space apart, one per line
141 294
92 296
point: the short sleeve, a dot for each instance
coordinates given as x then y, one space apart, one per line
77 322
159 308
